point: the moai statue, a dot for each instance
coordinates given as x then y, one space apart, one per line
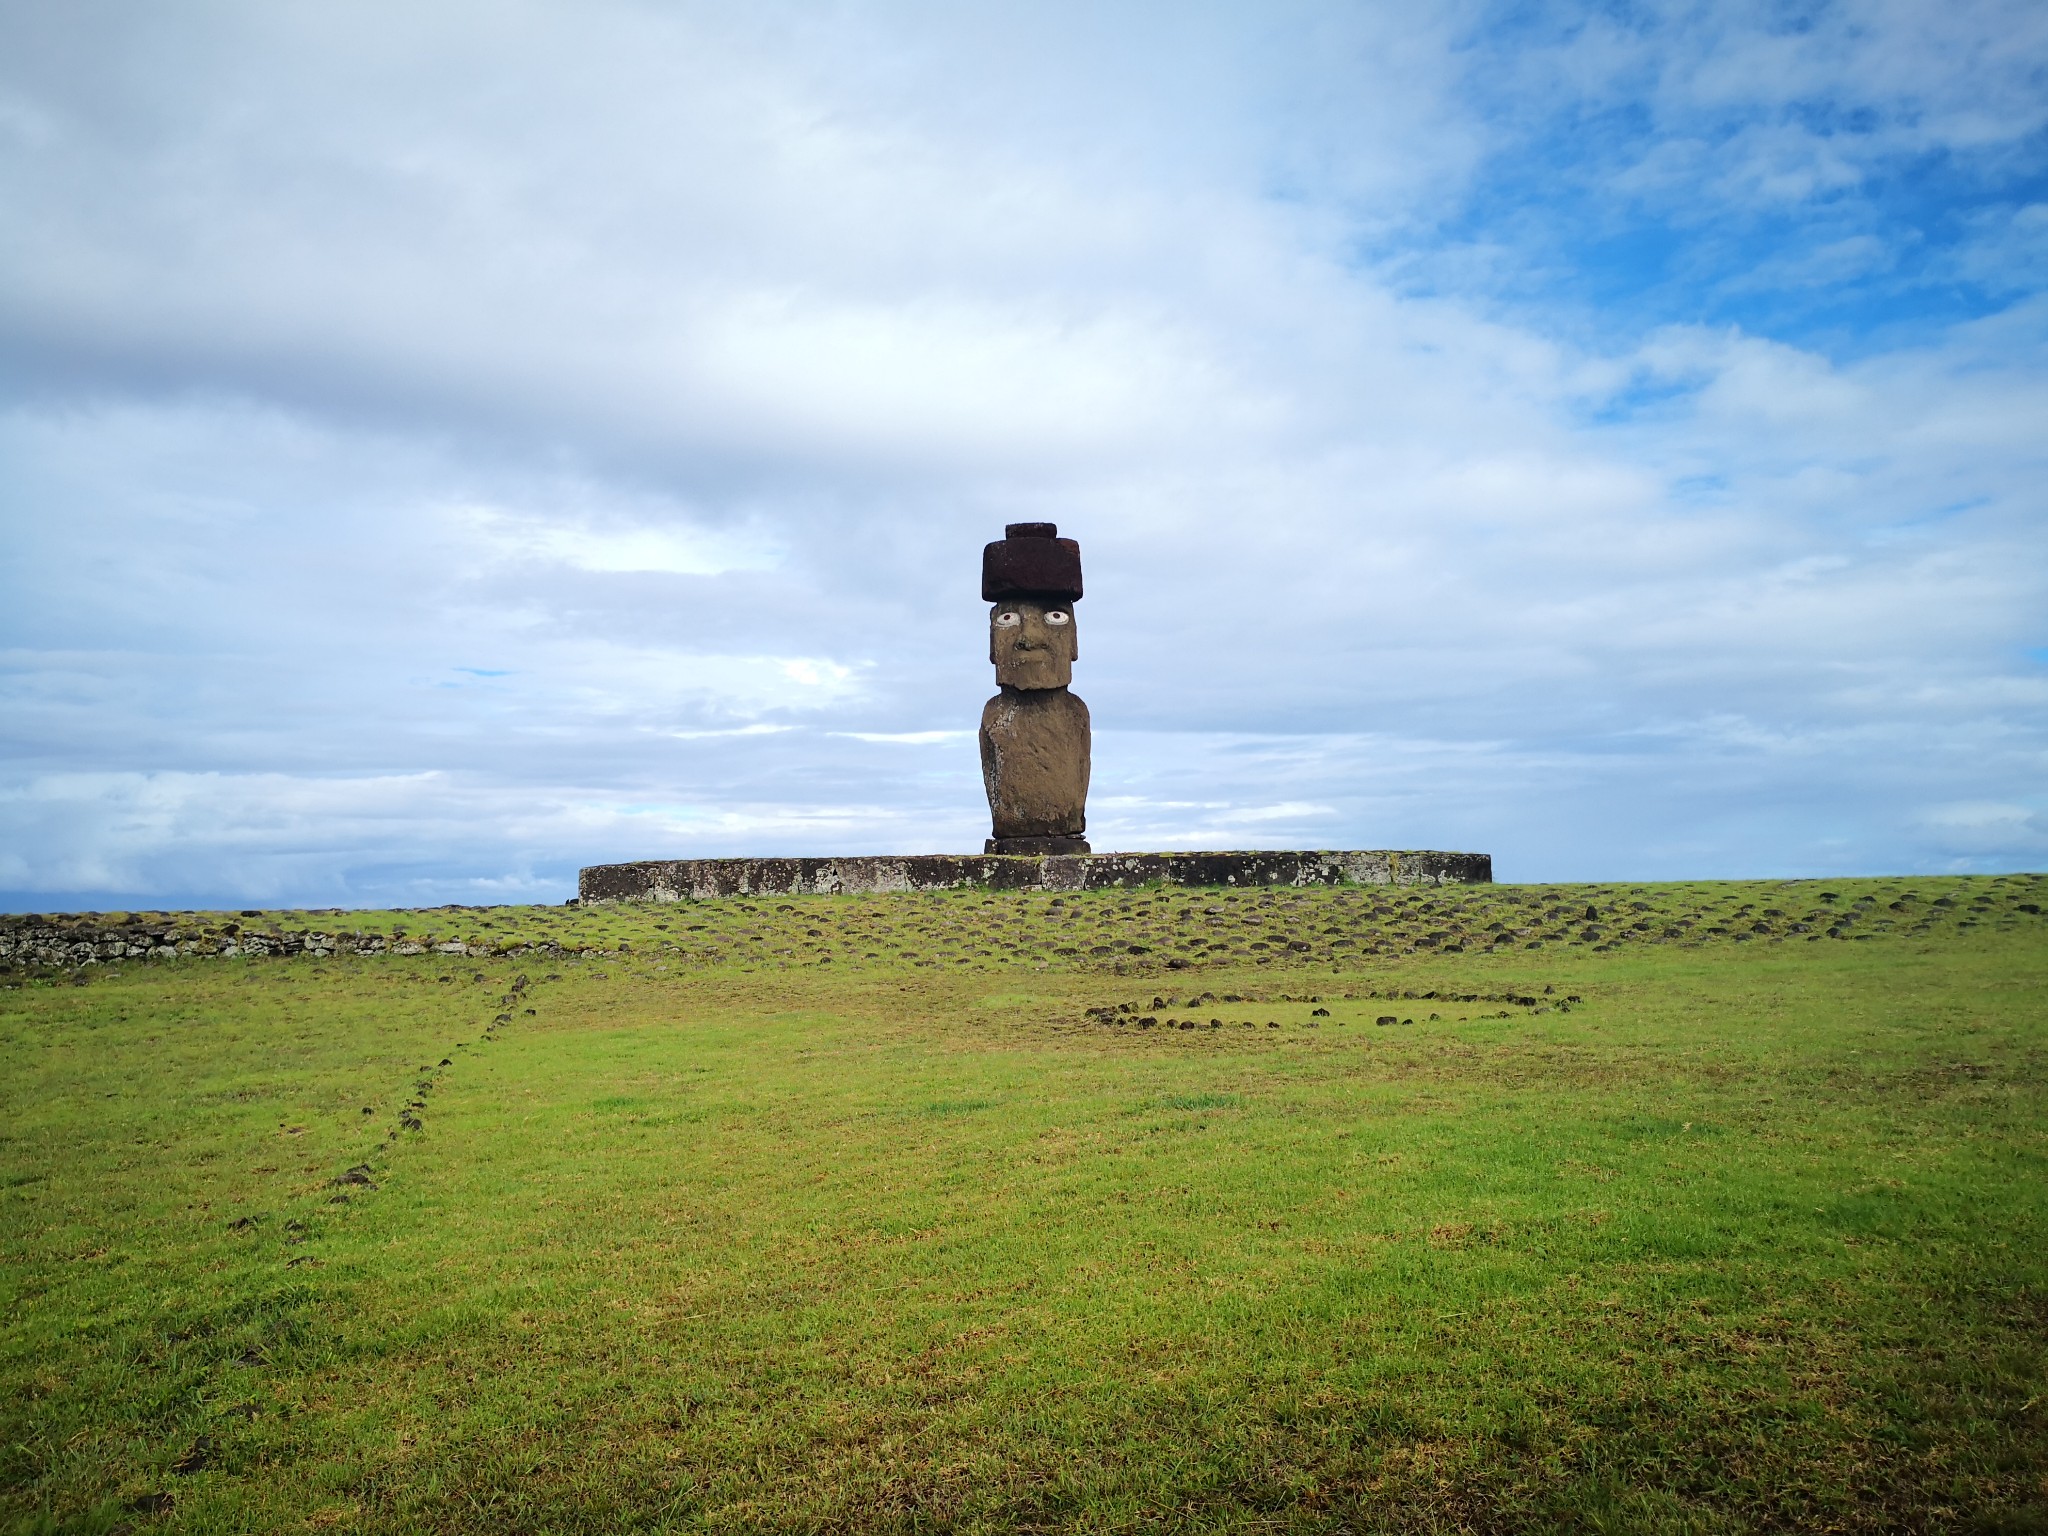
1034 734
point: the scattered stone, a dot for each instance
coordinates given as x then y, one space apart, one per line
199 1454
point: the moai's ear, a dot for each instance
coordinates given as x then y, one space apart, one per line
1059 623
1001 620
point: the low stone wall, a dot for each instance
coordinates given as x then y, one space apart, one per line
90 939
700 879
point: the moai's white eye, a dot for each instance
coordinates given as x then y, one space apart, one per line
1056 616
1007 621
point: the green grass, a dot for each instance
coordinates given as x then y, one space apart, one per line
729 1235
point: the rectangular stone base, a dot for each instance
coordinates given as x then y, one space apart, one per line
700 879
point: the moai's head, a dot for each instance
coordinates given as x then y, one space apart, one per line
1032 643
1033 578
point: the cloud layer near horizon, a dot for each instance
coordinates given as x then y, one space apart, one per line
441 449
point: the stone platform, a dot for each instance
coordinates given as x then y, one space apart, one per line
700 879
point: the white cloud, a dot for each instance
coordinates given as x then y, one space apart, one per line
1971 831
758 728
909 738
590 546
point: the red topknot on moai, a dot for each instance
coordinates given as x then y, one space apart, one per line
1034 734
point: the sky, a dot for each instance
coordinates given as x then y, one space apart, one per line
445 445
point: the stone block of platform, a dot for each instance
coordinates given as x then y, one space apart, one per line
706 879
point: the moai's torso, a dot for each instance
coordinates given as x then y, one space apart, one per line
1034 762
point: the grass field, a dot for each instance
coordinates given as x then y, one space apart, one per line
1706 1208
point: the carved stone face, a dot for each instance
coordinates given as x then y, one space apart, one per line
1032 644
